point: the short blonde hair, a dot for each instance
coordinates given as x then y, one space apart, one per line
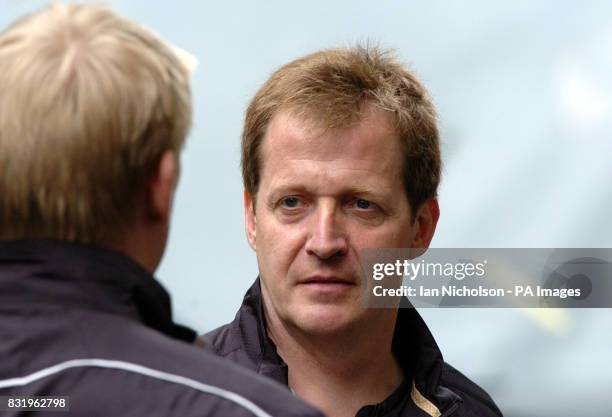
89 101
331 88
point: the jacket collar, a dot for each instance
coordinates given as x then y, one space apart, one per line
416 349
85 277
259 348
413 345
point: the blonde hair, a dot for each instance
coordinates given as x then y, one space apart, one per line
89 101
332 88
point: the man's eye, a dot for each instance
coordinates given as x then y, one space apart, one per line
290 202
363 204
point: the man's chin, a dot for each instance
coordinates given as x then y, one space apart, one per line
324 319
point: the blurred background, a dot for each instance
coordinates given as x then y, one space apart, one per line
524 94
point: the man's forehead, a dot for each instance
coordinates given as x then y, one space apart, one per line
293 132
292 126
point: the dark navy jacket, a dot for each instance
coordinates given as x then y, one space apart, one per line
91 325
436 388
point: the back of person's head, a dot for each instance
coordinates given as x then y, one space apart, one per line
89 102
333 88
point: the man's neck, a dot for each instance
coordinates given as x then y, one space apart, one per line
343 372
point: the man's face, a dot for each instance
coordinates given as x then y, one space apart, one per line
324 195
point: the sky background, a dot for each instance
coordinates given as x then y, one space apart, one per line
524 95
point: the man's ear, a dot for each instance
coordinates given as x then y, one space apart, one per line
425 222
161 185
250 221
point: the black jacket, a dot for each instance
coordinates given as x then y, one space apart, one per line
437 389
92 325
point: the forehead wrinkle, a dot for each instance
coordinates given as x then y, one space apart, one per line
336 167
332 169
322 179
351 160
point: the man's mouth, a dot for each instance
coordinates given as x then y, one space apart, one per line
323 282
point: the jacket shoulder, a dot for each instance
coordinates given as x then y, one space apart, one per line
105 363
476 401
226 388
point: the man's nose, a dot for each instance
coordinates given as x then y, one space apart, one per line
327 238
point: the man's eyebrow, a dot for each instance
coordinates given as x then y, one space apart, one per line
379 192
288 188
